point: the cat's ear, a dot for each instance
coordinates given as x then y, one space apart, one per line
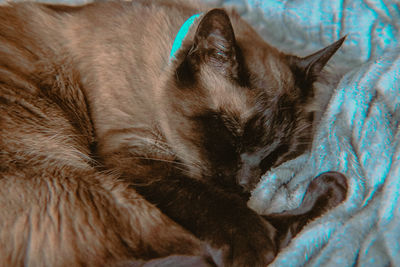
214 42
307 69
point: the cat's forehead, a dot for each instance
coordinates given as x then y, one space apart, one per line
264 62
227 96
269 78
268 68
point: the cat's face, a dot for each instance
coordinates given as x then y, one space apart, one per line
236 106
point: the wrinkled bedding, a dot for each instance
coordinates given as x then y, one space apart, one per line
358 135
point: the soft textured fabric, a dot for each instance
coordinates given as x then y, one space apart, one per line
359 135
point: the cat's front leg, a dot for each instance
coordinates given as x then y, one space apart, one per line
223 220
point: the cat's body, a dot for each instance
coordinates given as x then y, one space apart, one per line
93 110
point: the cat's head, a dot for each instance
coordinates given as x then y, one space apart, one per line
234 106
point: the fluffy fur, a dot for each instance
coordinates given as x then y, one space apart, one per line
111 154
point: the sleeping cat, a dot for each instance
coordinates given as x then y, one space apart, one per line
113 152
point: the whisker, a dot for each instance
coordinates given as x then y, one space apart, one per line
155 141
167 161
163 160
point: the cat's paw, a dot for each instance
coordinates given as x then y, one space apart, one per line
327 190
254 246
249 243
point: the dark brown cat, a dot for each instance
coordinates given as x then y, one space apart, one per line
112 153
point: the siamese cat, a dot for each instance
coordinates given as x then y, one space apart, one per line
115 151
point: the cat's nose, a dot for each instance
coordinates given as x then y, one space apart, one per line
246 186
247 177
244 179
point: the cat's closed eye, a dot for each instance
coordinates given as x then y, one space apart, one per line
219 138
268 161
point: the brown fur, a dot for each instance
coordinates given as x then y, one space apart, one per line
57 209
92 113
